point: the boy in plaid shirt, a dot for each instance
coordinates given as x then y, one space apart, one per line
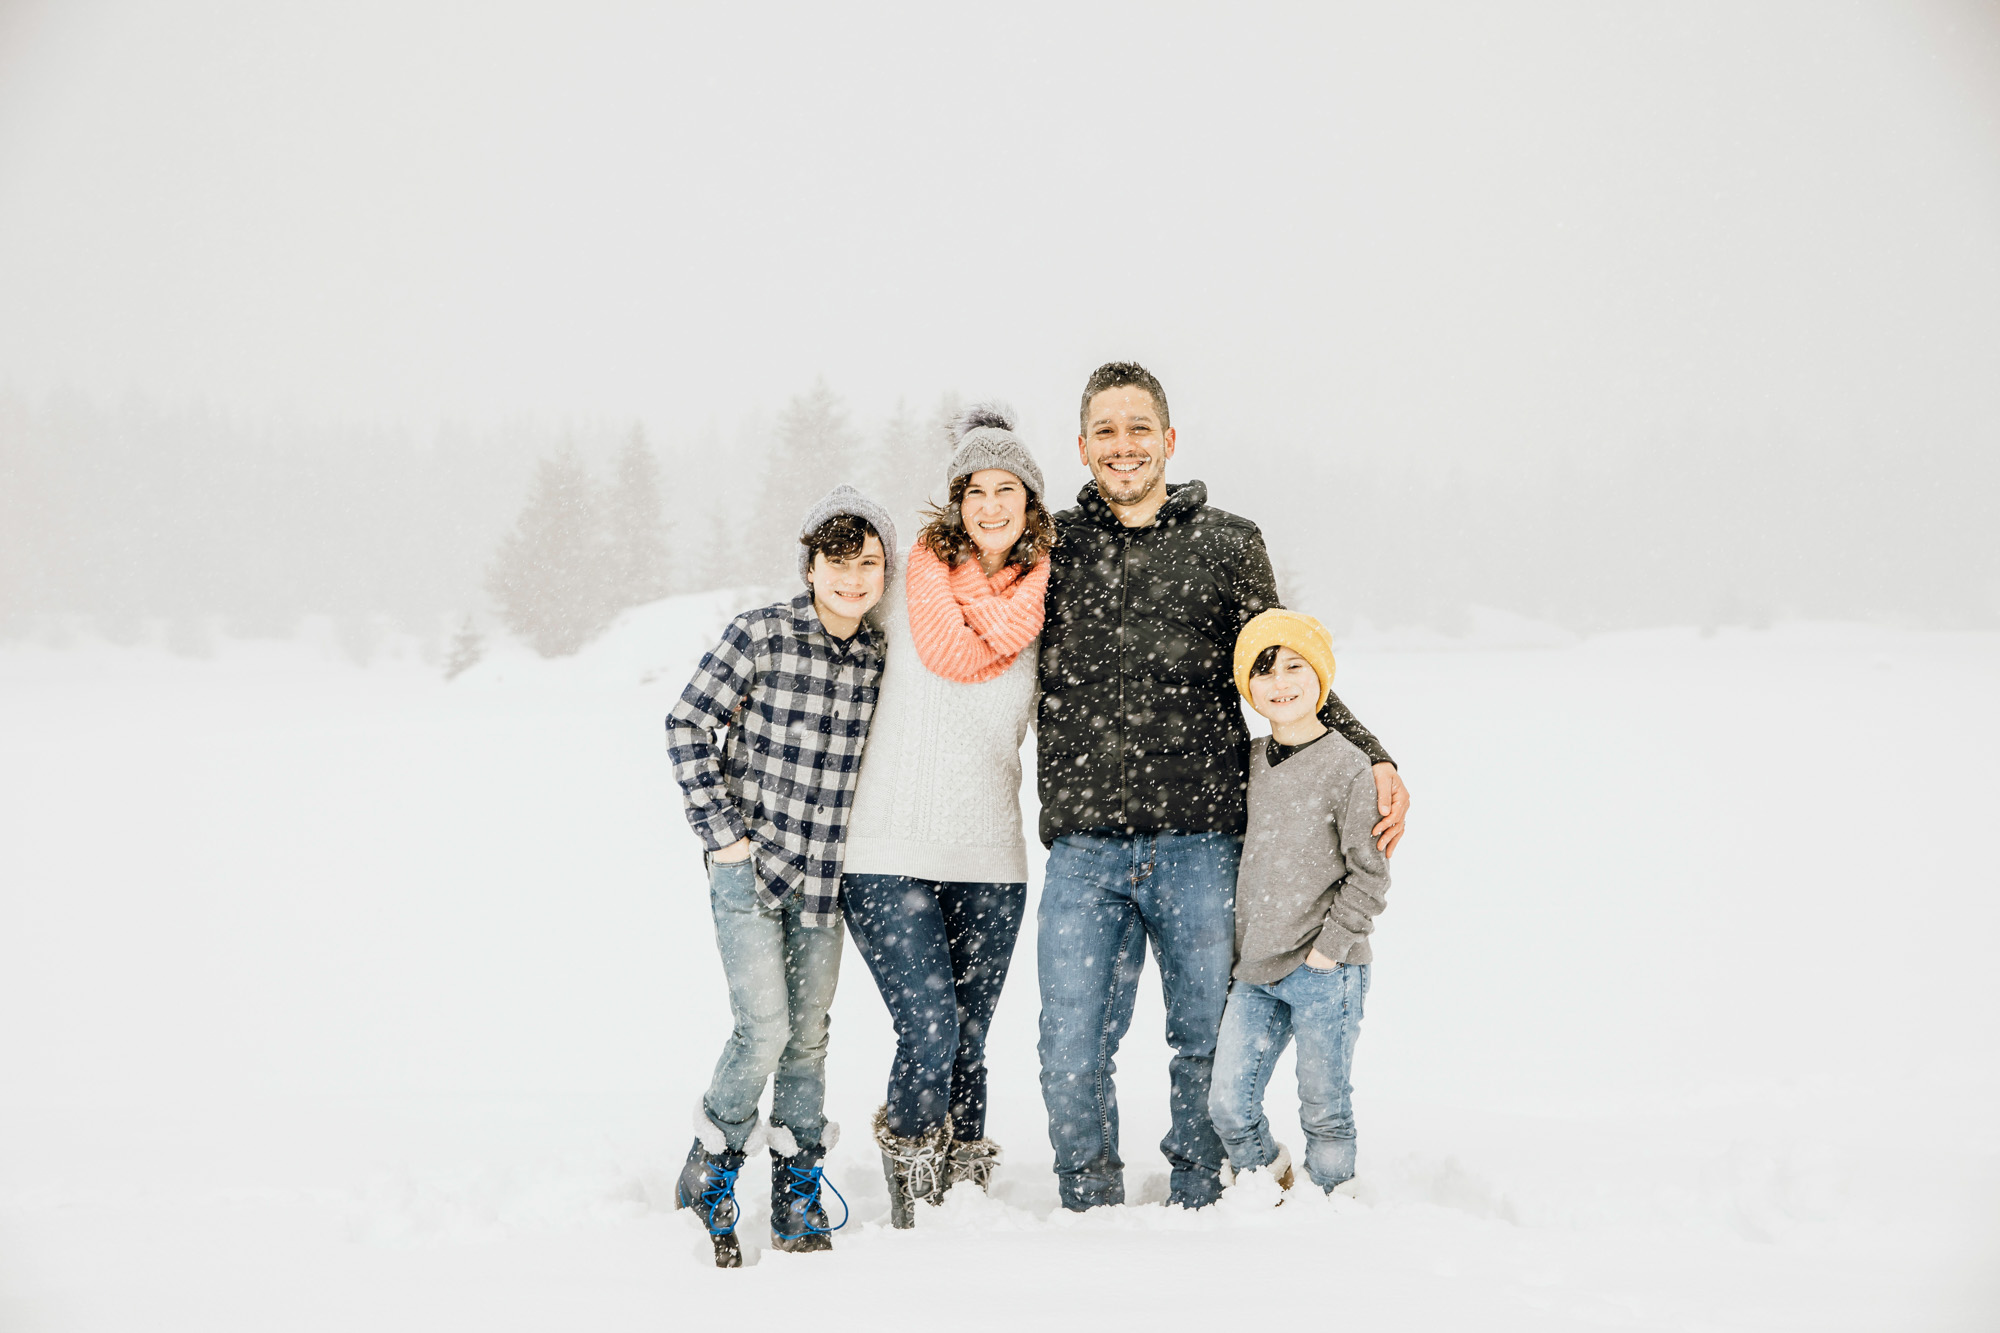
792 688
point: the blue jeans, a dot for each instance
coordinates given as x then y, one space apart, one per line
1104 897
939 951
781 975
1321 1008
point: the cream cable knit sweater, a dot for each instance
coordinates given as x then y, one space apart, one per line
940 791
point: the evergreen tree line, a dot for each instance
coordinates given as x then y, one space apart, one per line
132 520
580 552
117 518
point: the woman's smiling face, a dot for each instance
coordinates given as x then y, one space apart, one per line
994 510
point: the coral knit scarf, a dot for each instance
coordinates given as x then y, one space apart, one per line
969 627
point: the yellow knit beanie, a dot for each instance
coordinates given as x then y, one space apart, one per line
1300 633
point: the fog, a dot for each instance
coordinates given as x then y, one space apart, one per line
1615 347
1605 316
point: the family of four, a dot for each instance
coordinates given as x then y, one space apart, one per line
854 755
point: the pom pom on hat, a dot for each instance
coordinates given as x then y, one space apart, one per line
983 436
997 415
1287 629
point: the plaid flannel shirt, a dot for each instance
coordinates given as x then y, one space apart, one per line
794 704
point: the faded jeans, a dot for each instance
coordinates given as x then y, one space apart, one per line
781 975
1102 900
1323 1010
939 951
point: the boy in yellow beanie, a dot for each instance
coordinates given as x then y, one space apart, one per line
1308 890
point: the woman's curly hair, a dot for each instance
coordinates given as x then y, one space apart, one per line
944 531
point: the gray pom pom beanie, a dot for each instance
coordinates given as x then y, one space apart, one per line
984 437
846 500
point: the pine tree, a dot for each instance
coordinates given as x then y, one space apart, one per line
549 573
937 427
468 646
907 470
635 527
937 436
813 449
699 557
1289 578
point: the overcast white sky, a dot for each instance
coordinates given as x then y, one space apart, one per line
1450 230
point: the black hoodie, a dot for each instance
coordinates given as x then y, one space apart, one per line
1140 729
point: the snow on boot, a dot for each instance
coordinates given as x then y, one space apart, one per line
799 1223
1279 1169
707 1188
1282 1168
914 1168
972 1160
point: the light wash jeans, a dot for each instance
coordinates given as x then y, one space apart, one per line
1102 900
1323 1010
782 974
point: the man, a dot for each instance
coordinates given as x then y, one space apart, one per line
1143 756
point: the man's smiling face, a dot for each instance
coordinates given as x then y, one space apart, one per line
1124 445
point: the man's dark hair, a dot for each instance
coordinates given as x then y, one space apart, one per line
1267 661
1116 375
840 537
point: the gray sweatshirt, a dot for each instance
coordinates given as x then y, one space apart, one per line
1311 874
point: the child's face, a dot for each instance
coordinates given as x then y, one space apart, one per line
1289 692
850 586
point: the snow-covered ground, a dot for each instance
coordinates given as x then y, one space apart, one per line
346 998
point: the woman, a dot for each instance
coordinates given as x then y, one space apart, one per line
936 866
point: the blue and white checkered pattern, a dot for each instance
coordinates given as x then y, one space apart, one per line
794 705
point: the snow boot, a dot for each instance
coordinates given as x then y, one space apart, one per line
1279 1168
707 1187
972 1160
914 1168
799 1223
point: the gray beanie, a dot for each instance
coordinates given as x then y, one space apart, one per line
845 499
984 437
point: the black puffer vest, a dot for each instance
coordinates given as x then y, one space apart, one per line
1139 728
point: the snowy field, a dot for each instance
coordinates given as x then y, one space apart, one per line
343 998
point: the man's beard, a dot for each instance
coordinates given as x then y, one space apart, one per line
1133 488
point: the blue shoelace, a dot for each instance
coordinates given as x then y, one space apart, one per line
721 1189
805 1183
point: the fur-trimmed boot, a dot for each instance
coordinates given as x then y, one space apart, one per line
914 1168
799 1224
972 1160
1280 1169
707 1188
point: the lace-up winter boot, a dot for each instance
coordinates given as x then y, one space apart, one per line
973 1160
914 1168
799 1223
707 1188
